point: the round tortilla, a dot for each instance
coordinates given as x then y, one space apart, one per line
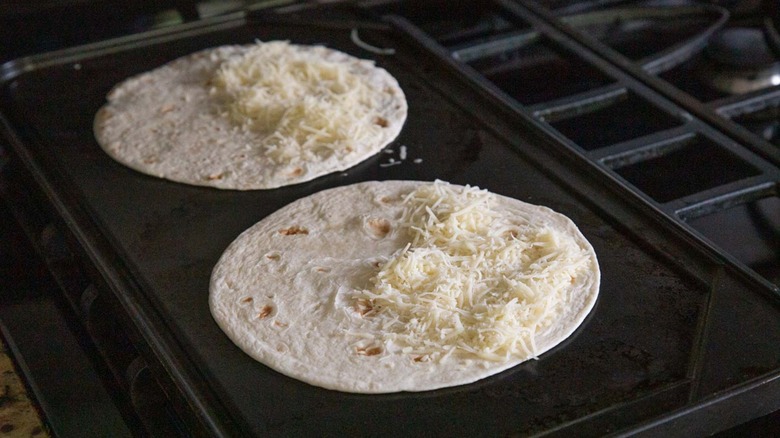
280 291
170 123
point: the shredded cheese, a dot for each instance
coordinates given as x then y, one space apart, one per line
307 103
472 280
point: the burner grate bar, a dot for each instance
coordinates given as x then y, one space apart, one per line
723 197
639 149
495 45
754 102
577 104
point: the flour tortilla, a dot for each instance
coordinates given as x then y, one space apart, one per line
279 290
168 123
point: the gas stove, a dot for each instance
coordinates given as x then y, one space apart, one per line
652 124
679 64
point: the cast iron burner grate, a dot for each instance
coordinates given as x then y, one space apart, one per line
552 70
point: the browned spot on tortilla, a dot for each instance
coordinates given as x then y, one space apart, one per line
363 306
389 90
378 227
573 280
368 351
322 269
167 108
280 324
104 115
273 256
293 231
265 311
388 200
381 121
298 171
377 264
215 176
246 300
150 160
423 358
511 233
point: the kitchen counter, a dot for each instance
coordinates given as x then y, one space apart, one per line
18 415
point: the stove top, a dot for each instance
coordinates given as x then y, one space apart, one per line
683 63
613 112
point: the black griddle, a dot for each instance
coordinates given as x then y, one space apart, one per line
681 340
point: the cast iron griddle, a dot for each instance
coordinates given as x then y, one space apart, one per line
674 338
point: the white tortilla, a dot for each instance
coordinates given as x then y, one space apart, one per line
279 290
170 123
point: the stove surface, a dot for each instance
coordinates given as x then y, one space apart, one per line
607 110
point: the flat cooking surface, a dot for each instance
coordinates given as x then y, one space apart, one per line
662 336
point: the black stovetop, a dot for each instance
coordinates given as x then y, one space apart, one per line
594 88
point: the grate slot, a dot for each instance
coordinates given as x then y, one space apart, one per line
625 117
663 172
521 71
460 23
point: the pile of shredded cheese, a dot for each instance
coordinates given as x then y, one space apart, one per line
472 280
306 105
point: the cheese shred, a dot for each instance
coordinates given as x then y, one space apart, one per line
309 102
474 280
